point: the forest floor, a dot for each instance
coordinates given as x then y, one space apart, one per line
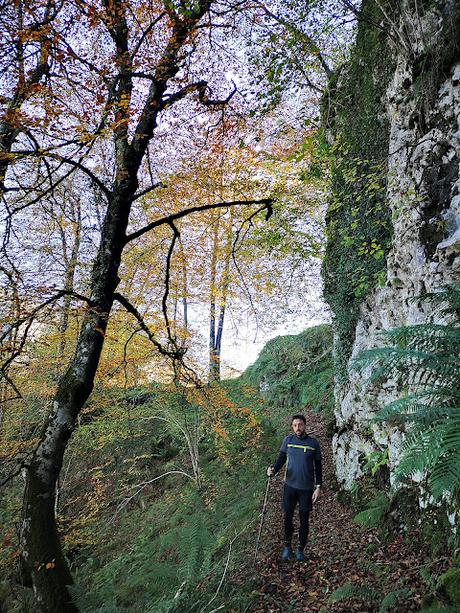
339 552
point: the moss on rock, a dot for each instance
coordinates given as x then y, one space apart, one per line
359 228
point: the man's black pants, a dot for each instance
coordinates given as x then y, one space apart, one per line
292 496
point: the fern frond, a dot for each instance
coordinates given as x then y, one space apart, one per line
195 539
409 410
423 336
441 610
388 603
448 298
350 590
445 475
373 514
425 358
418 454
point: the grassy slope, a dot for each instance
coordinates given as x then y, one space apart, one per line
296 371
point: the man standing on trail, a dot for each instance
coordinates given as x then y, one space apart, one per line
302 482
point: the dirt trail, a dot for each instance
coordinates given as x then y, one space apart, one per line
338 552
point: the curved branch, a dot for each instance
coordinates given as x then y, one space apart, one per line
13 474
248 221
60 294
305 37
147 190
164 301
125 502
65 160
267 202
200 87
178 353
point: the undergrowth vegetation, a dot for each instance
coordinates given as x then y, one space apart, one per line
159 499
160 495
173 543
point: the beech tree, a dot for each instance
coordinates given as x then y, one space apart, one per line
127 64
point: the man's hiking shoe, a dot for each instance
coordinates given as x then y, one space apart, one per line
299 555
287 552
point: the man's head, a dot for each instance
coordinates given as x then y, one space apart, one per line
298 423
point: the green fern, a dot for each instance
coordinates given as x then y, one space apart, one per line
350 590
373 514
440 610
388 603
193 541
426 360
368 595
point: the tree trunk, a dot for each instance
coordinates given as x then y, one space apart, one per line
218 325
42 554
184 288
71 266
10 311
213 371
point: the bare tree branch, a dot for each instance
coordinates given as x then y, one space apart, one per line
43 153
19 322
249 223
267 202
305 37
12 475
142 486
145 33
178 352
200 87
146 191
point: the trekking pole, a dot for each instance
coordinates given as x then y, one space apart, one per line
262 517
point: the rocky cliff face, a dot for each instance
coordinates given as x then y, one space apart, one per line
422 108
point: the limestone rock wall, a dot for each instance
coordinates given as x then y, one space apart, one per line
422 104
